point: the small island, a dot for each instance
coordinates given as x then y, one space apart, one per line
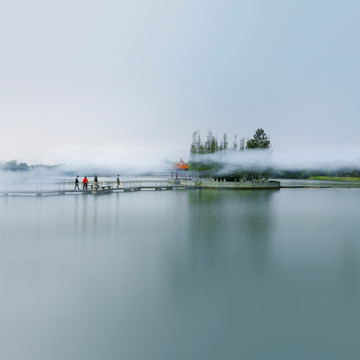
215 165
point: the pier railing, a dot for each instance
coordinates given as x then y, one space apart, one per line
69 186
124 185
30 188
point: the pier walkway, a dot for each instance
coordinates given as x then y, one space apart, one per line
104 187
107 187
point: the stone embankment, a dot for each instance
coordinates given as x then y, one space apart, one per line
230 185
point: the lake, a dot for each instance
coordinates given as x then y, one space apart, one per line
197 274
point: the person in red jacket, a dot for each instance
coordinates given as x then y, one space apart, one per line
85 182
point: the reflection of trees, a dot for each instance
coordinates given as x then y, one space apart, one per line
231 220
228 233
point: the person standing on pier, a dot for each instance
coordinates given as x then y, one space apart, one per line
96 183
85 183
77 183
118 181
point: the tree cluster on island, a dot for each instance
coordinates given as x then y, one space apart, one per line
216 167
212 144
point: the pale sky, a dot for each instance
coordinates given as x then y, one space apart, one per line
133 79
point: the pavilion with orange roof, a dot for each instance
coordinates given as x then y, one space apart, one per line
180 167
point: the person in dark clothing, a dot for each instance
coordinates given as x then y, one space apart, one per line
77 183
96 183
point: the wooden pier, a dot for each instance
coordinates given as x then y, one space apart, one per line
105 187
109 187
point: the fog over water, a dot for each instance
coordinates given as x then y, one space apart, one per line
307 158
315 158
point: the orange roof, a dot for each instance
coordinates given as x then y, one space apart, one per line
181 165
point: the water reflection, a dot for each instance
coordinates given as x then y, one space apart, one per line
181 275
84 219
226 243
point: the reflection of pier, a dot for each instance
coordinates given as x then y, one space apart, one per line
104 187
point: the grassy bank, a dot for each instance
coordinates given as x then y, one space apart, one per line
334 178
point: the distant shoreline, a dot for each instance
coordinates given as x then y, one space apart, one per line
334 178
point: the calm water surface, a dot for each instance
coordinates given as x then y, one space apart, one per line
181 275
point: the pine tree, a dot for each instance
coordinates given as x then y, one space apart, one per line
193 147
199 144
208 143
259 141
225 142
235 142
242 144
214 144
